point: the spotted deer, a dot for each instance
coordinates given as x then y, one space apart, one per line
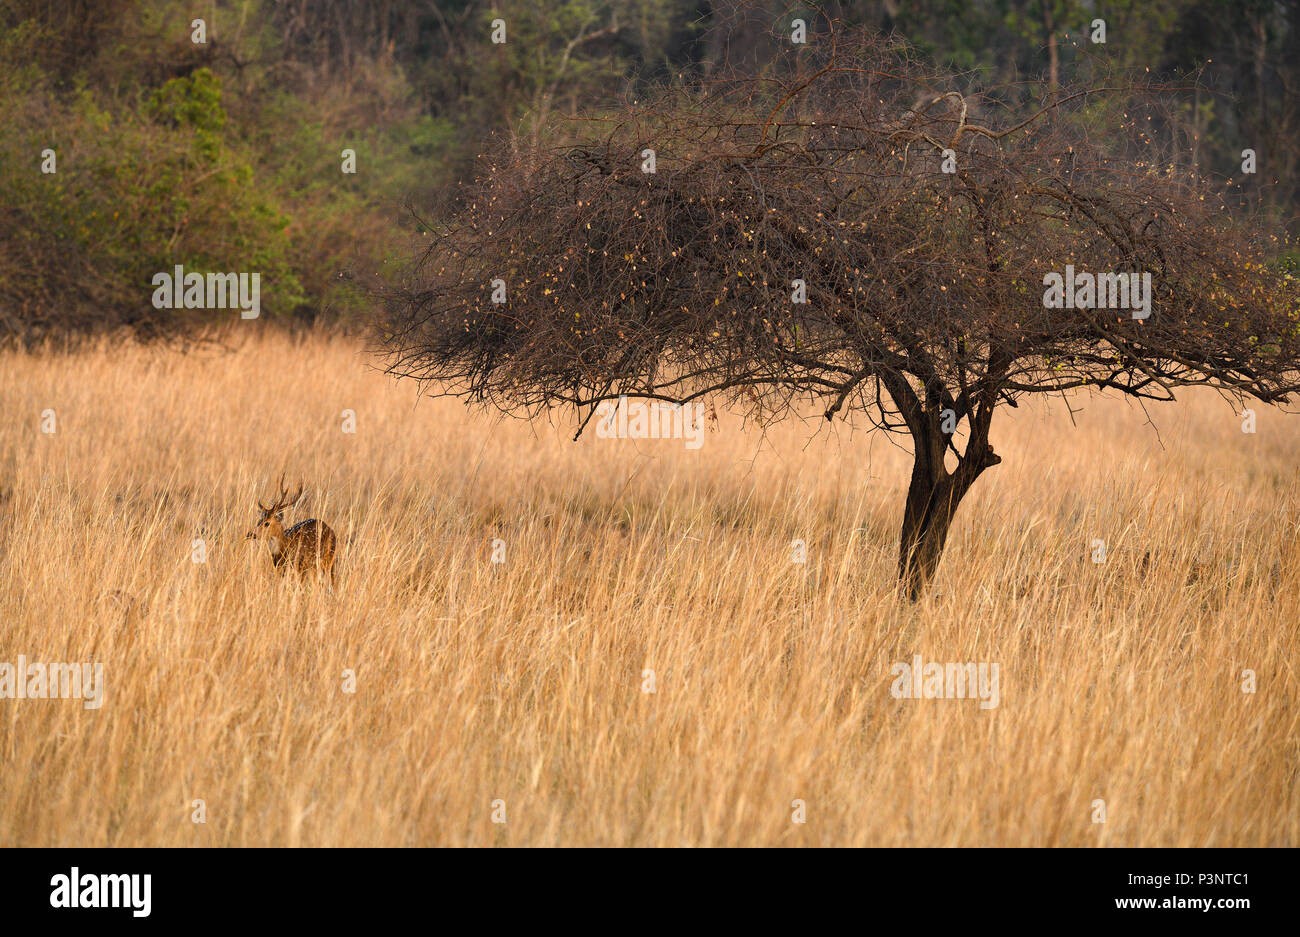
306 546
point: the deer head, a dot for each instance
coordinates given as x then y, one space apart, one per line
270 525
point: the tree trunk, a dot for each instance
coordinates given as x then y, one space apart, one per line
1053 54
932 500
1053 64
926 519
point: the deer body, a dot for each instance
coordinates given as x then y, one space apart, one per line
305 547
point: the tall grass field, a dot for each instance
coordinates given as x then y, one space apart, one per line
534 641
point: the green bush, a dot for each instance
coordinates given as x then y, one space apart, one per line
135 192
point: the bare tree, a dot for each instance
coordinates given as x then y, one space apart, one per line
923 227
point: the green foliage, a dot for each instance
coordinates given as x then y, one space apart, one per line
136 192
194 101
226 156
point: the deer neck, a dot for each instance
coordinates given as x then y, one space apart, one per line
277 543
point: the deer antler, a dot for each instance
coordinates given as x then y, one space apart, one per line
283 500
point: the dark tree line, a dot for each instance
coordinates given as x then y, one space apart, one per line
244 170
1243 54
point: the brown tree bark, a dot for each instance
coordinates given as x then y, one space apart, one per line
933 496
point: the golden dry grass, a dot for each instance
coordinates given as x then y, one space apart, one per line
523 681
